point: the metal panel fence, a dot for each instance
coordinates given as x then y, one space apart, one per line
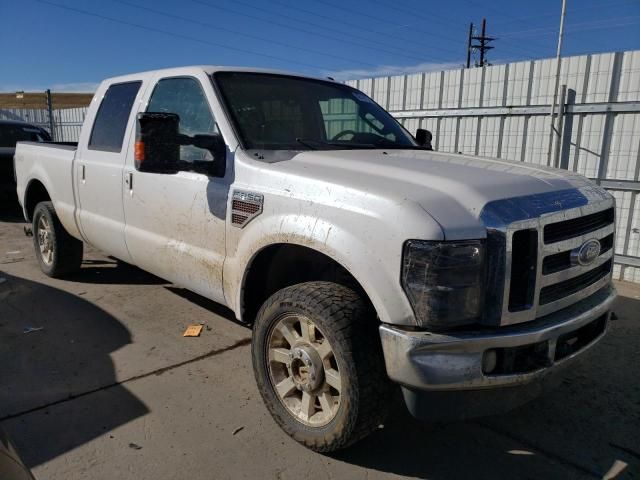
66 121
503 111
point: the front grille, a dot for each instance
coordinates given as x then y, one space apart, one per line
523 269
542 277
562 261
563 289
556 232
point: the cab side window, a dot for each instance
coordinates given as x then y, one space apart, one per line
185 97
112 117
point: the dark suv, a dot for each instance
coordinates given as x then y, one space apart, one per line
12 131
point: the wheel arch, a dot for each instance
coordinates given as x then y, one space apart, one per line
279 265
35 193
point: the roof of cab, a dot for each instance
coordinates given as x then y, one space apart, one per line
208 69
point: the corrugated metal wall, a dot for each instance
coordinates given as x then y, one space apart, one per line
67 122
503 111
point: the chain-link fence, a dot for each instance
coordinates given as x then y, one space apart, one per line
61 114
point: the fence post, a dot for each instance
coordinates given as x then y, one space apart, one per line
560 127
50 111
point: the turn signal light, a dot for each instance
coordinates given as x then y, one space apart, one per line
139 152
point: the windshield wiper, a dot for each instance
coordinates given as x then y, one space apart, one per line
307 143
313 144
386 143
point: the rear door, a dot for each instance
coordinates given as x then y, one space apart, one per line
99 168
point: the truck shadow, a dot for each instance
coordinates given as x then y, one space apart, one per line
65 357
112 271
586 424
10 210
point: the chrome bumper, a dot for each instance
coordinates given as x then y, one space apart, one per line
453 361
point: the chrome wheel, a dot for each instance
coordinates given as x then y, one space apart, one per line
303 370
45 241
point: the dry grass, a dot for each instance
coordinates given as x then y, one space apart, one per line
39 100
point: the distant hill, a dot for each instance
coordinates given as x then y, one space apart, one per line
39 100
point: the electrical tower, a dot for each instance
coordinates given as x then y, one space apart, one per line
482 46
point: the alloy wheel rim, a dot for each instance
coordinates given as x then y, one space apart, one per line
44 241
303 370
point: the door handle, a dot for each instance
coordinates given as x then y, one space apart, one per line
83 172
128 180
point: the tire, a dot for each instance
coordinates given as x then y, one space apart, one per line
341 317
61 253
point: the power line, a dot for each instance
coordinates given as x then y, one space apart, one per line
412 12
178 35
443 37
600 24
448 22
307 32
349 24
501 13
234 32
323 26
441 21
383 20
482 46
576 10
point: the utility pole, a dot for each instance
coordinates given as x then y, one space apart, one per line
557 83
482 46
469 48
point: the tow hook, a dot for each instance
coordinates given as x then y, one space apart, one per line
28 231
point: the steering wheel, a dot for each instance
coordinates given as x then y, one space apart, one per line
342 134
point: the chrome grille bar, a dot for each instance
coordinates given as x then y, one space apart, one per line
597 203
572 272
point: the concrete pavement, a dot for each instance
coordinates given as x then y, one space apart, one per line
109 388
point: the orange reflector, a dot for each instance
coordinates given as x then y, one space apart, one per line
139 151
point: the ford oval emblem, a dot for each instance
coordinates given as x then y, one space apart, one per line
586 253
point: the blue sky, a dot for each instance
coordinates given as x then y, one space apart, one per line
70 45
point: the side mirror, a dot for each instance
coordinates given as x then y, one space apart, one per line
157 148
215 144
424 137
158 141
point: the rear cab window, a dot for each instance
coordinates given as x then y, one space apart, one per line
111 120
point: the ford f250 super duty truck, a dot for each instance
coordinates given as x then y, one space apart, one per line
361 258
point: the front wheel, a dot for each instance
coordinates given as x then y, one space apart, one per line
58 253
319 366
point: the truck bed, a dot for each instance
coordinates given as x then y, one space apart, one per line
51 164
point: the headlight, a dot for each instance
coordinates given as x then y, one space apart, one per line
444 281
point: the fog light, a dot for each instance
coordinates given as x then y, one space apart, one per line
489 361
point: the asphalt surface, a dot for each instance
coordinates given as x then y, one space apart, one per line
104 386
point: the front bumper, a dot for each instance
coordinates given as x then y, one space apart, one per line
427 361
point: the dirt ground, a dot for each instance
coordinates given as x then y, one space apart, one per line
106 387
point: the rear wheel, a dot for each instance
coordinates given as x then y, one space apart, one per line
319 365
58 253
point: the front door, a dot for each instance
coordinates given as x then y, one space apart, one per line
175 223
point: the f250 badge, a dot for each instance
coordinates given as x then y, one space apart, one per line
586 253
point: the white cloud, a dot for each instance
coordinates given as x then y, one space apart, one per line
386 70
78 87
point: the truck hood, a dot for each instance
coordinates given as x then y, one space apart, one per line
452 188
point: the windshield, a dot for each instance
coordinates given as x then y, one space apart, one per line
278 112
12 133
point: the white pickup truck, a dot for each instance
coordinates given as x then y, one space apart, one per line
361 258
